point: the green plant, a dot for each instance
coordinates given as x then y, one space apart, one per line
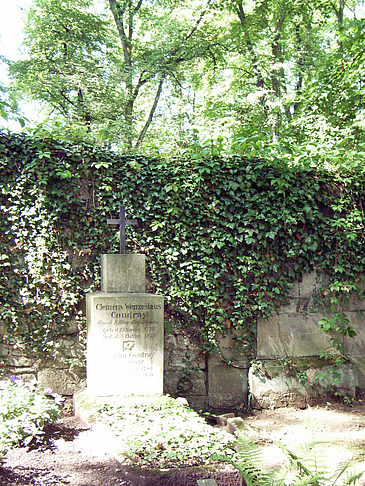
25 409
337 326
163 434
225 238
306 467
248 461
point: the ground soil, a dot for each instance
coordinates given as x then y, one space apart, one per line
72 454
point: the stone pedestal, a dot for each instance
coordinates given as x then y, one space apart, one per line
124 331
123 273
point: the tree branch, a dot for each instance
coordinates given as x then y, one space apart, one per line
138 6
171 57
255 63
130 23
201 16
152 112
118 13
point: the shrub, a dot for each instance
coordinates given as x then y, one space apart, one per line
25 409
306 468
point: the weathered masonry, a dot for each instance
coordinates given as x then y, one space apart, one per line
288 349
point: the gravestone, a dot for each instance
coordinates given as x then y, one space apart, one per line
124 328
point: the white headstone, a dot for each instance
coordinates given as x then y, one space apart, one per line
124 337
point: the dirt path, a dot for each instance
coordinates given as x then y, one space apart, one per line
340 430
71 454
74 455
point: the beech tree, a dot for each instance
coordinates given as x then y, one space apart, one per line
203 75
106 70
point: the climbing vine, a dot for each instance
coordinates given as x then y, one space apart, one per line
224 238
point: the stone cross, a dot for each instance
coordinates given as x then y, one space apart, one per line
122 224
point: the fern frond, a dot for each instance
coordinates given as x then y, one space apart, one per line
308 481
296 461
253 476
340 470
249 463
353 478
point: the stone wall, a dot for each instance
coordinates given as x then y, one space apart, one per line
64 373
207 382
288 345
288 370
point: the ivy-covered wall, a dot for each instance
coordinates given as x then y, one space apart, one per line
225 239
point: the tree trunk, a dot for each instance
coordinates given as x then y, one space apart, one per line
152 112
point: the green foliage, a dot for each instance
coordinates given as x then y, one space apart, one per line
164 434
199 75
24 411
338 325
225 238
104 69
248 461
307 467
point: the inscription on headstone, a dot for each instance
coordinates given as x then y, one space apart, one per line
125 344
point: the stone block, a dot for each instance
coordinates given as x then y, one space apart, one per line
4 350
19 361
45 363
270 387
230 349
309 284
306 286
198 402
356 304
236 425
291 335
207 482
290 307
71 347
175 358
275 384
184 382
227 385
222 419
73 327
26 375
123 273
170 341
78 371
59 381
181 352
3 328
329 379
294 291
359 366
355 345
182 402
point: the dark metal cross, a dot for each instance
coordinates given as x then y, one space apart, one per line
122 224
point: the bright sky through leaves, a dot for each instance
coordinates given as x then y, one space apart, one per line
11 30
